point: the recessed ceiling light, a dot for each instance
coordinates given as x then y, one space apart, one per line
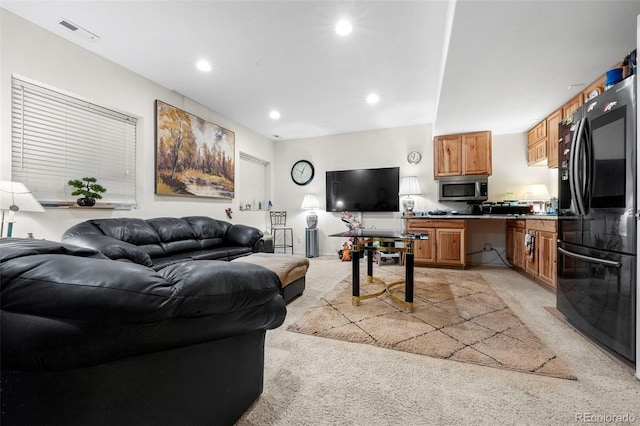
343 28
274 114
373 98
203 65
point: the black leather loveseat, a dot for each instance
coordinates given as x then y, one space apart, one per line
162 241
87 340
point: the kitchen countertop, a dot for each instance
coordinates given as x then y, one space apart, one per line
484 216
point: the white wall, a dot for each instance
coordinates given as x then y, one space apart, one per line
389 148
32 52
371 149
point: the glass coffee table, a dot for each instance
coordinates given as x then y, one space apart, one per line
364 240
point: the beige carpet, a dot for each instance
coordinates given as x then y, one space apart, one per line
457 317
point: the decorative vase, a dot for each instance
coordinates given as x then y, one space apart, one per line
86 201
312 221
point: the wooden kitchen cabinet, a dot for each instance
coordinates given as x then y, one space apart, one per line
540 262
539 132
424 249
515 242
447 156
553 135
542 142
441 242
462 154
572 106
537 144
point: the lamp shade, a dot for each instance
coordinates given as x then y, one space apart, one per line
310 202
14 196
537 191
409 186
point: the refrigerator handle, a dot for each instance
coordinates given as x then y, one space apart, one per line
587 173
589 258
574 181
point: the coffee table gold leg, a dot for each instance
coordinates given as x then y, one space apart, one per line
355 301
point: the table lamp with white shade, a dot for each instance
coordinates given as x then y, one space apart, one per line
14 196
409 186
536 194
310 202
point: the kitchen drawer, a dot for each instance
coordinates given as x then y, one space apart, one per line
542 225
415 225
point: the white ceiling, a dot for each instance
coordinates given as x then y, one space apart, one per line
464 66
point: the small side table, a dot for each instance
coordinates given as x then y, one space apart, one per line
311 242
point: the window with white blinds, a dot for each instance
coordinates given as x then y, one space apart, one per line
252 188
56 137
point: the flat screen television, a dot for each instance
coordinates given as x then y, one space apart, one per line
363 190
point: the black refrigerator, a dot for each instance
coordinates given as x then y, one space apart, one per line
597 219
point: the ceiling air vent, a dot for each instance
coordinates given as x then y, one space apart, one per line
77 29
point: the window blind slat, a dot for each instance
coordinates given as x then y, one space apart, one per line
57 137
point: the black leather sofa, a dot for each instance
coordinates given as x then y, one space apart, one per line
162 241
87 340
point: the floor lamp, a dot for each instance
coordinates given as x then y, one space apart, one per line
14 196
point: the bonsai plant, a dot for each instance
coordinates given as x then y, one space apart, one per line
88 188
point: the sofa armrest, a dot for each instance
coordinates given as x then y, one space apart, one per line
112 248
243 235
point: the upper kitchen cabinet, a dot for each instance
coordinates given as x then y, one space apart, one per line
572 106
462 154
537 144
553 123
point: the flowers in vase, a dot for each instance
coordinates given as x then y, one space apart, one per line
353 224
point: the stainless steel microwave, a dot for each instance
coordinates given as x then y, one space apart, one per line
463 188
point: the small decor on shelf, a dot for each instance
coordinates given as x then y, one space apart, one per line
89 189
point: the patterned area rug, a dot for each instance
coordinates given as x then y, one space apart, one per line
457 317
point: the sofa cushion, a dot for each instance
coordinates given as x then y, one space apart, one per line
133 231
113 249
207 228
172 229
130 230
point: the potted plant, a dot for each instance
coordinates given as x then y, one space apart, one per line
89 189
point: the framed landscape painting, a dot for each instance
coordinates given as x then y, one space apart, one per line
193 156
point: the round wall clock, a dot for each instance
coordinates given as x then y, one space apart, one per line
414 157
302 172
